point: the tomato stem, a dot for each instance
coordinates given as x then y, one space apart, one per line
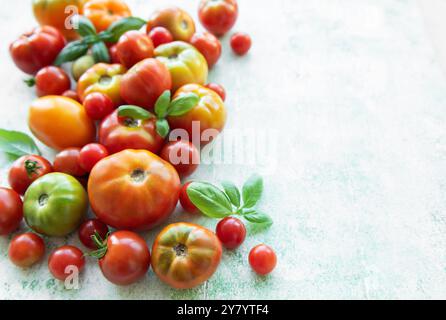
31 167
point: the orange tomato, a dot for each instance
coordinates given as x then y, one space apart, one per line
60 122
102 13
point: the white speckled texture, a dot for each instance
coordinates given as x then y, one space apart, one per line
354 100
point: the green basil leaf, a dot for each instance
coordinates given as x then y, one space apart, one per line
252 191
259 218
85 27
232 192
183 104
210 200
162 104
162 127
134 112
100 52
71 52
118 28
14 144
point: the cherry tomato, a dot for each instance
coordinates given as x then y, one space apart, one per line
159 36
262 259
91 154
26 170
218 16
179 23
102 13
64 257
98 105
90 228
217 88
50 81
11 211
240 43
72 95
182 155
26 249
208 45
133 47
187 205
114 54
68 161
231 232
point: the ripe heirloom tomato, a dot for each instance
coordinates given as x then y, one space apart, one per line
179 23
98 105
91 154
64 257
103 78
185 255
37 49
133 189
182 155
240 43
50 81
231 232
133 47
119 133
26 170
60 122
262 259
159 36
218 16
26 249
208 45
68 161
88 229
185 200
217 88
102 13
11 211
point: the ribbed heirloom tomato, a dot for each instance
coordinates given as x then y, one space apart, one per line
26 170
179 23
102 13
208 45
133 189
133 47
218 16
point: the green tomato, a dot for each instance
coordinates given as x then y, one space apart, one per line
55 204
81 65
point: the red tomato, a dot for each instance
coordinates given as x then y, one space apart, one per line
51 81
72 95
91 154
240 43
145 82
127 259
90 228
11 211
262 259
98 105
133 47
231 232
208 45
182 155
37 49
25 170
114 54
64 257
26 249
118 133
159 36
67 161
218 16
187 205
217 88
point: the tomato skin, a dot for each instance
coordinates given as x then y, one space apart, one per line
133 190
262 259
98 105
26 249
145 82
159 36
60 122
63 257
26 170
71 94
218 88
52 81
187 205
81 65
90 228
68 161
179 23
133 47
127 259
231 232
37 49
182 155
113 50
208 45
218 16
11 211
91 154
240 43
102 13
184 255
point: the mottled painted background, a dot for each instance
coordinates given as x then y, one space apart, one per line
347 100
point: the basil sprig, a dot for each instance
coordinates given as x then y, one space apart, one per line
14 144
217 203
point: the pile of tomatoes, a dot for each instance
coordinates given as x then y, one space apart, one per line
111 137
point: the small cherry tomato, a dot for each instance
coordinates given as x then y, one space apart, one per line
98 105
187 205
11 211
159 36
231 232
218 16
113 50
262 259
26 249
50 81
240 43
90 228
182 155
64 261
208 45
72 95
91 154
133 47
67 161
217 88
25 170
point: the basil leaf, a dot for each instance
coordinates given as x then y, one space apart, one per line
232 192
71 52
85 27
14 144
162 127
252 191
259 218
183 104
134 112
210 200
100 52
162 104
118 28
